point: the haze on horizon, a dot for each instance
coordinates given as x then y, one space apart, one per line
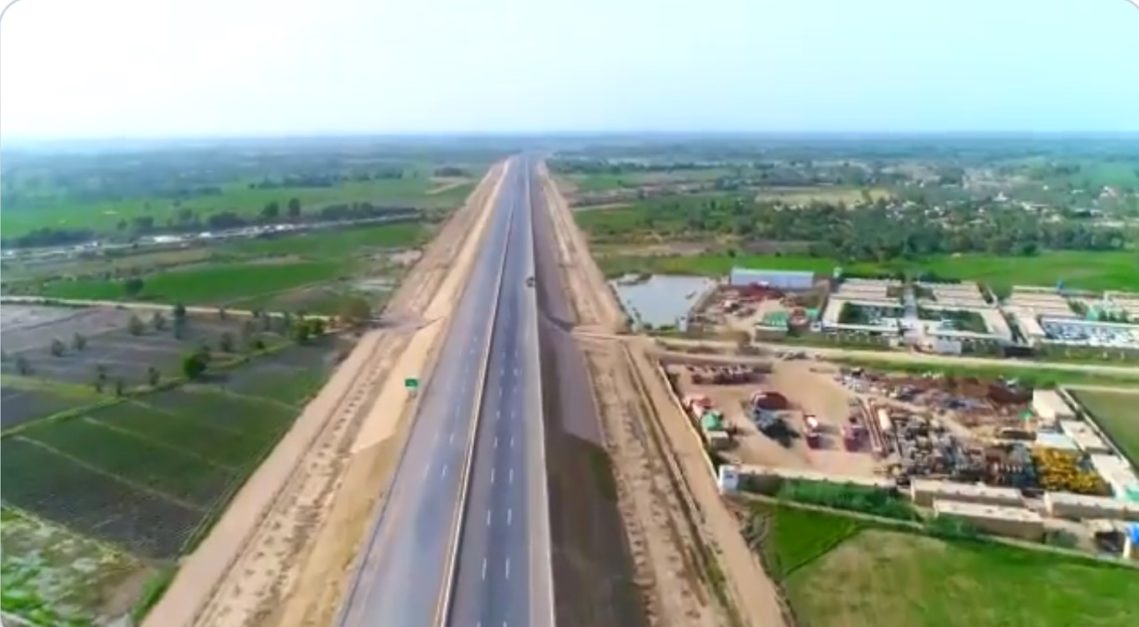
168 68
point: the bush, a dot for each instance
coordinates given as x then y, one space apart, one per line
225 342
855 498
952 528
78 342
194 364
158 321
135 326
57 347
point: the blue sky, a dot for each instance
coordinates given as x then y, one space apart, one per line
99 68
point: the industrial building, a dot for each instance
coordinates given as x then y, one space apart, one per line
1050 406
1118 474
1015 522
791 280
926 492
1084 436
1082 506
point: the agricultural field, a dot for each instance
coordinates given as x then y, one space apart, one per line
1118 414
138 480
838 571
309 271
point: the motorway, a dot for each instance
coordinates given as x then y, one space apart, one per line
463 537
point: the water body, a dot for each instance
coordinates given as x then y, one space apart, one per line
661 300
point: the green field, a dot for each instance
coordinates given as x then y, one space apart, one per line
1086 270
243 274
892 579
237 197
1044 376
839 571
1118 413
55 577
606 182
208 284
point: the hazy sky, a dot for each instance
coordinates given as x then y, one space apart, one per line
250 67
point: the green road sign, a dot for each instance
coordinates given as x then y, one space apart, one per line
411 383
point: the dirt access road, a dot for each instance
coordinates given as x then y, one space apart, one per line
691 563
298 519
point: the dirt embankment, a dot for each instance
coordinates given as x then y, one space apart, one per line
691 562
300 516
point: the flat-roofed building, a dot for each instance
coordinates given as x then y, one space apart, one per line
1015 522
780 279
926 491
1118 474
1049 405
1084 436
1082 506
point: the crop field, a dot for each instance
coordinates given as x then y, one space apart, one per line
209 284
238 197
1118 414
146 472
86 581
1084 270
838 571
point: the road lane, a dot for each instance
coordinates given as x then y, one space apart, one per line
504 569
404 566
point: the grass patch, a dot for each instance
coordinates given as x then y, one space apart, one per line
237 197
335 244
1118 414
208 284
834 195
791 537
893 579
152 591
1077 269
1043 377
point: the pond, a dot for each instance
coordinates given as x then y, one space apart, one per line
660 300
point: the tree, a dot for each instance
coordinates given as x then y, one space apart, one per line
100 377
222 313
57 347
152 375
301 333
158 321
294 207
179 311
355 311
225 342
119 386
23 367
194 364
132 286
316 326
78 342
271 211
135 325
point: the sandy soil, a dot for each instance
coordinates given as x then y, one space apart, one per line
593 302
252 559
665 550
683 537
808 392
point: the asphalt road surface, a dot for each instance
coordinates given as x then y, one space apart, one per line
501 576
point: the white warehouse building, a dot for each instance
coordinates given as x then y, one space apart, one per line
779 279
